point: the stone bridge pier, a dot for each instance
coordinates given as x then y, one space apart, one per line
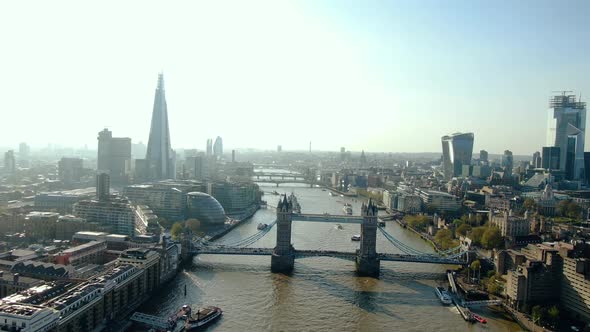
283 258
367 261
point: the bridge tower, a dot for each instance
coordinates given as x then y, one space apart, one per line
282 259
367 262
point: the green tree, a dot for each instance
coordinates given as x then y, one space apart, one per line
444 238
493 286
561 207
418 222
537 313
529 204
553 314
492 238
573 210
475 265
463 229
476 234
176 230
194 225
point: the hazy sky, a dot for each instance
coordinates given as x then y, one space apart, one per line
388 76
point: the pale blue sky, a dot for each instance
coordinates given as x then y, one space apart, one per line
389 76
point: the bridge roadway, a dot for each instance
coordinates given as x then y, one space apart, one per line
351 256
279 181
342 219
278 175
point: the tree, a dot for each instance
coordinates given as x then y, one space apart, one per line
561 207
573 210
492 238
194 225
476 234
463 229
417 222
553 314
537 313
444 238
176 230
529 204
476 265
493 287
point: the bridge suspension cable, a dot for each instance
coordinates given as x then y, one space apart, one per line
246 241
402 246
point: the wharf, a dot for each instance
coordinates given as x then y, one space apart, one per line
227 229
346 194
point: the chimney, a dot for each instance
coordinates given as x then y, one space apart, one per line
233 156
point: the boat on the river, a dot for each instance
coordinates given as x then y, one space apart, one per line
381 223
443 295
479 318
201 317
356 237
331 194
261 226
275 192
338 226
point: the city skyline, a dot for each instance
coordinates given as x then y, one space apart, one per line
325 67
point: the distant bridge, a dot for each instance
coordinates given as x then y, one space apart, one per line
366 258
278 175
279 166
281 181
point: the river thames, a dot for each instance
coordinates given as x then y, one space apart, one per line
322 294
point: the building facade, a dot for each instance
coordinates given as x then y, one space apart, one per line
114 156
567 131
457 150
160 157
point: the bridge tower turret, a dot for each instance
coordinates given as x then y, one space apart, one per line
282 259
367 261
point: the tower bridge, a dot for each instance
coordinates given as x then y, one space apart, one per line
366 258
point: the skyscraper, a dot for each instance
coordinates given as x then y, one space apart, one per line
209 147
24 151
103 186
508 161
550 157
567 130
114 156
457 150
537 161
159 155
218 147
9 162
483 156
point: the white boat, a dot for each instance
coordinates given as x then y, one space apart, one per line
338 226
356 237
443 295
261 226
331 194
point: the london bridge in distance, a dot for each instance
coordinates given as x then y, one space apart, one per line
294 166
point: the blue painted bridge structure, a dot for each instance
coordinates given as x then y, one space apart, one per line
366 258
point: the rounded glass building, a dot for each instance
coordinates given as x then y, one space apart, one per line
205 208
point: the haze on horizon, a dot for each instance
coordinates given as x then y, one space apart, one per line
391 76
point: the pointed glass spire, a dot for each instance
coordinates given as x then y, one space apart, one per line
159 152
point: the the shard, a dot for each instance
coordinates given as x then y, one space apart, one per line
160 156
